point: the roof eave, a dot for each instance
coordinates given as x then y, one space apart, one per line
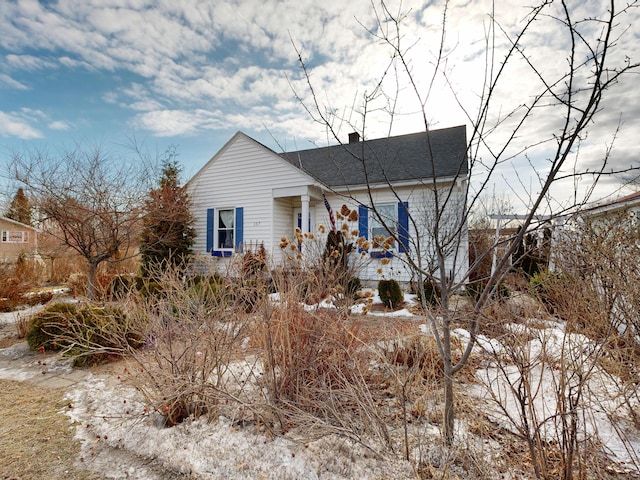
424 182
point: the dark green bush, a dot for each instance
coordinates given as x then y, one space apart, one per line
390 293
90 334
432 293
46 328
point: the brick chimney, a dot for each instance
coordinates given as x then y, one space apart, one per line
354 137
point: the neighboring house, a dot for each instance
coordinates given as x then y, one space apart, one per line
623 212
17 239
624 208
247 195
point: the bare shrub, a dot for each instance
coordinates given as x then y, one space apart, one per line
326 267
22 326
306 350
192 335
316 366
14 283
558 383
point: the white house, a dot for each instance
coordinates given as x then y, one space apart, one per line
247 195
627 207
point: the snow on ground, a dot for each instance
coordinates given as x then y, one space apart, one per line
483 343
603 411
362 307
7 318
120 439
13 317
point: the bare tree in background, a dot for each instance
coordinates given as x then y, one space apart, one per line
91 199
555 117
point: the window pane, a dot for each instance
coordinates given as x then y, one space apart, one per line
389 214
225 228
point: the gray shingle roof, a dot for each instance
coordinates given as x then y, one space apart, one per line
391 159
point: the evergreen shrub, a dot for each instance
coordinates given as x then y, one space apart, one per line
390 293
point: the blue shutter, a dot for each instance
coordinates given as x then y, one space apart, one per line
210 221
403 226
239 228
363 222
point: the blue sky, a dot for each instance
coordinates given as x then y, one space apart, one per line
191 73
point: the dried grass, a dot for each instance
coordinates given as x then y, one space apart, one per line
36 440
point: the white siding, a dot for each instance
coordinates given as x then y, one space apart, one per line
282 224
244 174
421 208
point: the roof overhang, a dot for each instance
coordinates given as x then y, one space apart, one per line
421 182
313 191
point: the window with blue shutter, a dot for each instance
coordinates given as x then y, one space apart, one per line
225 230
395 216
239 229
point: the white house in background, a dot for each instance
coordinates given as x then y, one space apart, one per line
247 195
626 207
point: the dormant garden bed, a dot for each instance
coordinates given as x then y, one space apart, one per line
365 403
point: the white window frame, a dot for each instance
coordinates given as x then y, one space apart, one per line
9 236
374 223
217 230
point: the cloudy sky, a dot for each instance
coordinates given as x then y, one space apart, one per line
191 73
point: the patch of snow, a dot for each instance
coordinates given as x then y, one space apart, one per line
53 290
13 317
358 309
122 440
603 411
397 313
274 297
483 343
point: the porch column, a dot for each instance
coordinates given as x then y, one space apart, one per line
305 213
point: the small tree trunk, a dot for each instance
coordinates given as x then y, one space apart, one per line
52 272
92 279
449 407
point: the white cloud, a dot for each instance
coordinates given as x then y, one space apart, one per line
59 125
29 63
167 123
11 83
73 63
12 125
